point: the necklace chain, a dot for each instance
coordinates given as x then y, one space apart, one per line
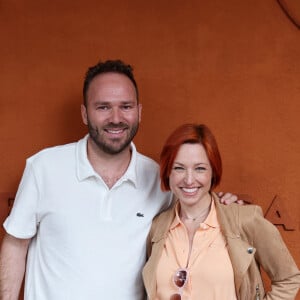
202 214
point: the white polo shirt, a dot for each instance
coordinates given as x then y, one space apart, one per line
88 241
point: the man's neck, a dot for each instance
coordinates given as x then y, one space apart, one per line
111 167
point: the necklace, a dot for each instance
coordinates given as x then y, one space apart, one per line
201 216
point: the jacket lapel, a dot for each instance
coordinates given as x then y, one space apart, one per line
241 255
240 251
157 240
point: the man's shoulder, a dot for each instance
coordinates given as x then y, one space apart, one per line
146 161
58 152
147 172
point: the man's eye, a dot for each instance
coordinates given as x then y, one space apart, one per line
126 107
102 107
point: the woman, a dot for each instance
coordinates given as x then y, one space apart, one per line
201 249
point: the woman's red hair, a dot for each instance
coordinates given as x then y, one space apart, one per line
190 134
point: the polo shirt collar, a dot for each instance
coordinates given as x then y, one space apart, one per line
130 174
86 170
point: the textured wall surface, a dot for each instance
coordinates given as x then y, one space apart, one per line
233 65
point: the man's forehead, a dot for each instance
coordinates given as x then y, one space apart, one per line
111 77
112 88
113 81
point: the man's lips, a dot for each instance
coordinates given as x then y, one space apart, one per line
115 131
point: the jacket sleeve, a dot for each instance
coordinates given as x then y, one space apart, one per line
274 257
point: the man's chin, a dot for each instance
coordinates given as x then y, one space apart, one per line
114 148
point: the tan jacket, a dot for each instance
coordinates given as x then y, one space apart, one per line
252 241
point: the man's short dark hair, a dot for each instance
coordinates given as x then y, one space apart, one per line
115 66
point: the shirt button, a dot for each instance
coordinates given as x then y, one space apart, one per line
250 250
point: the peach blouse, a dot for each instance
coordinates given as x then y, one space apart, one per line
210 274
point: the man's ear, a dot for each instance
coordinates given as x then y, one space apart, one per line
84 114
140 112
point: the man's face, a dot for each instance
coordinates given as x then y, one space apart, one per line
112 113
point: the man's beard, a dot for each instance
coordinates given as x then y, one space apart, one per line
111 146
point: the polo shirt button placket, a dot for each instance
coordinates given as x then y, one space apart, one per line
106 207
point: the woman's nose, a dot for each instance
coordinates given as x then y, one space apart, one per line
189 177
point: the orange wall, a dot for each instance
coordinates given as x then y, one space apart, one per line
233 65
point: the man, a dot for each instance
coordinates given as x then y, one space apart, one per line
83 210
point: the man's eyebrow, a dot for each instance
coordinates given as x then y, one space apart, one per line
109 102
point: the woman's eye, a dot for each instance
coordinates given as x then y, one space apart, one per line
176 168
200 169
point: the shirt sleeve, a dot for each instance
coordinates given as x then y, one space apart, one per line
22 220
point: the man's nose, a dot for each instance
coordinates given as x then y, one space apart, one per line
116 115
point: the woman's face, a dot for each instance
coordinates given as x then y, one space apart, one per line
191 174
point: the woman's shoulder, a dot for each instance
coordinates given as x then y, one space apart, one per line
250 210
238 216
165 215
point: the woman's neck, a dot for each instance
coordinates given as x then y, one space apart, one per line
196 213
